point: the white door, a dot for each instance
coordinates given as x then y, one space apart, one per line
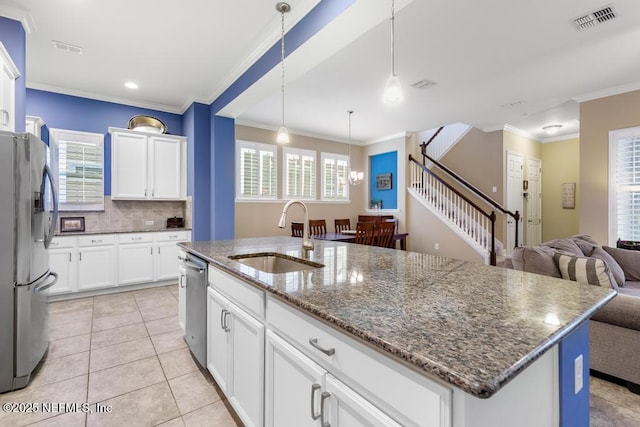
534 202
167 261
63 263
135 263
514 198
293 386
165 168
96 267
247 360
218 339
128 166
349 409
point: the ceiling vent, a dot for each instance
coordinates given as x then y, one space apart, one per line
66 47
423 84
513 104
591 19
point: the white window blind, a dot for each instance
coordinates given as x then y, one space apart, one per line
627 186
257 170
334 177
78 163
299 173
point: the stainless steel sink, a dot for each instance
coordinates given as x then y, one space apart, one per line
274 262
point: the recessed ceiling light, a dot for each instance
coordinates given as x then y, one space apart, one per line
131 85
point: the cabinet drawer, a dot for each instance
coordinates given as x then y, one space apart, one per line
410 398
244 295
135 238
63 242
170 236
96 240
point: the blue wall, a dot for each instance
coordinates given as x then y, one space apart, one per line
88 115
380 164
574 408
12 36
223 178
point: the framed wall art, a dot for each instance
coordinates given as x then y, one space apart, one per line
72 223
383 181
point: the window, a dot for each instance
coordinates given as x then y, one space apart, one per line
335 168
77 160
257 172
299 174
624 184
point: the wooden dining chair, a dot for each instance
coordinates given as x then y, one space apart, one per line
297 229
385 232
342 224
365 233
317 226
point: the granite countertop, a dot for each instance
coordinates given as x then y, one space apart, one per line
475 327
93 232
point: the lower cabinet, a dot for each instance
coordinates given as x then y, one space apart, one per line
63 260
182 293
235 356
135 258
96 262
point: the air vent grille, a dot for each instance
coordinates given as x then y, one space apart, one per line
66 47
591 19
423 84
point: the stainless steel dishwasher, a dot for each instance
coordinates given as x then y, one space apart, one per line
196 307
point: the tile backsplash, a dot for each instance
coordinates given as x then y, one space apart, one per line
132 215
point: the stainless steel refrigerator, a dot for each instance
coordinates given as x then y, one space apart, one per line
28 211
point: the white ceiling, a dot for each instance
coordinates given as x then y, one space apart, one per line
482 56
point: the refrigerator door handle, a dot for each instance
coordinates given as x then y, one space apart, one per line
47 285
54 198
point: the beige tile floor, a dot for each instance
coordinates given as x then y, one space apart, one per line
125 351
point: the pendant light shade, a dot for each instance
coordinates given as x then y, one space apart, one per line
283 132
393 89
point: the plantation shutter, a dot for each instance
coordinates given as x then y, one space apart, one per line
628 188
300 174
257 176
334 170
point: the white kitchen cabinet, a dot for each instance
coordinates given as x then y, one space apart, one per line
135 258
34 125
63 260
96 262
8 75
166 251
147 166
235 356
182 294
293 386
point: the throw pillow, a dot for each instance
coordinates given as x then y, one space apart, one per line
614 267
584 270
628 260
539 259
564 246
585 243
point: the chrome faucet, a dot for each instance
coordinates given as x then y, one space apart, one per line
307 241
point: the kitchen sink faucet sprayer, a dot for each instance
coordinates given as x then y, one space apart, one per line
307 241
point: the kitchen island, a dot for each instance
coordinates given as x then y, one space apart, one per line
422 340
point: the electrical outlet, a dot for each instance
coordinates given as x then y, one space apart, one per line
436 246
149 222
494 189
577 374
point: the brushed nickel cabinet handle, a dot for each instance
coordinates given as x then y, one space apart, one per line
328 352
314 388
324 396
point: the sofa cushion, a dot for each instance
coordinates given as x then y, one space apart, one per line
628 260
614 267
536 259
585 270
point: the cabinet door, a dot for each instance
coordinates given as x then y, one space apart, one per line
293 386
348 409
128 166
165 168
247 371
135 263
7 95
96 267
218 340
182 297
63 262
167 261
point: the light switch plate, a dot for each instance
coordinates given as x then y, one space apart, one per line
149 222
577 374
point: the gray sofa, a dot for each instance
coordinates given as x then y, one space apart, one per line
614 330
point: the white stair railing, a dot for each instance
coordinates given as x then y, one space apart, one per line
446 139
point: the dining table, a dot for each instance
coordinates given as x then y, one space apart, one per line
350 235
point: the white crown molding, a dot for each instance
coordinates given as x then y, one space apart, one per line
509 128
403 134
89 95
561 138
274 129
21 15
492 128
616 90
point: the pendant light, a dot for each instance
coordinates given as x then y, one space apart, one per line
283 132
355 177
393 89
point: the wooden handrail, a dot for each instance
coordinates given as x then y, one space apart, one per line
425 144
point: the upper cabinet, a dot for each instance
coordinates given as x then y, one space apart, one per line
34 125
146 166
8 75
